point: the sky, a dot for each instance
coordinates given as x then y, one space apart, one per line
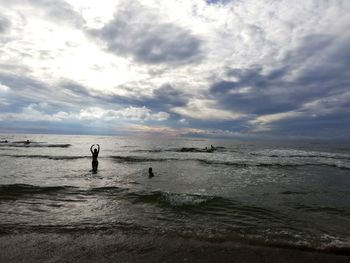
206 68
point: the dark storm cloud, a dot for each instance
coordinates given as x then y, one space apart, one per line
66 95
312 84
333 65
322 68
333 125
264 94
167 97
25 91
136 31
163 99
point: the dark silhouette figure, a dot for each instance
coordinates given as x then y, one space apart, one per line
150 172
95 153
27 142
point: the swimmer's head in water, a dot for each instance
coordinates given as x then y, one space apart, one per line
150 172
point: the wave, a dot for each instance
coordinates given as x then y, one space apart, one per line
133 159
191 149
149 151
170 199
300 154
28 190
136 159
294 193
305 156
66 193
207 205
51 157
273 165
291 165
322 209
18 189
281 165
34 145
160 198
106 190
184 149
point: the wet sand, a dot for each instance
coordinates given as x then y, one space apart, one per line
134 247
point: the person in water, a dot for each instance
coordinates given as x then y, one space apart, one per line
150 172
95 153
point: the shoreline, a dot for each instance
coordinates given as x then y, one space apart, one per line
128 246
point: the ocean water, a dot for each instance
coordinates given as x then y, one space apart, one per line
275 193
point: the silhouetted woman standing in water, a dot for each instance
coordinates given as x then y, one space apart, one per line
94 157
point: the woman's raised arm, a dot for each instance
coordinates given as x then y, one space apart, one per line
91 148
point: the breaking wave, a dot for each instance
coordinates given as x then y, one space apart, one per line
300 154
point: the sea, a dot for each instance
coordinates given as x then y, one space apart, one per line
275 193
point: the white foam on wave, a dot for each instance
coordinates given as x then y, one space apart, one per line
184 199
330 241
299 153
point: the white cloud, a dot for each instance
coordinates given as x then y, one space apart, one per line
237 34
262 122
129 113
330 104
4 88
183 121
242 90
29 113
37 112
170 131
206 110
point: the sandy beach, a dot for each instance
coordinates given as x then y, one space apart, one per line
132 247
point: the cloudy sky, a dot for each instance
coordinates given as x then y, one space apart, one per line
180 67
